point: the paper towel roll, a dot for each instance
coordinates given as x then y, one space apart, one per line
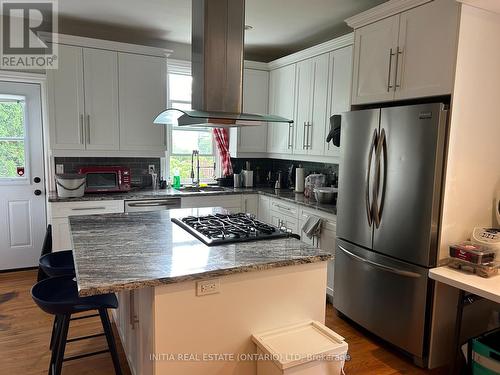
299 180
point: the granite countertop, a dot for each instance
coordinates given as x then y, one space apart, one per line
284 194
113 252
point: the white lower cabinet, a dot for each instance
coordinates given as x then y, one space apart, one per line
326 241
133 319
250 204
61 211
229 202
284 214
264 213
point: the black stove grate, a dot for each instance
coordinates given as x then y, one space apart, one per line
225 228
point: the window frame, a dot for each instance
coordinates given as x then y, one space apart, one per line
182 67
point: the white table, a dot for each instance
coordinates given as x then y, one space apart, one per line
470 286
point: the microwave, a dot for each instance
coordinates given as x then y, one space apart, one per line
103 179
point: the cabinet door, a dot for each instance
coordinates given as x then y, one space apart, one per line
66 100
101 99
264 209
315 132
61 236
142 95
304 85
250 204
255 100
282 103
427 50
339 91
375 48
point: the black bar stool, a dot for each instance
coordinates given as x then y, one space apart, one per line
59 296
63 263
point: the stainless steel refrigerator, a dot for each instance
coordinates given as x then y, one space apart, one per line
388 213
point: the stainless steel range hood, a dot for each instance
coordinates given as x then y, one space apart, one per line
217 69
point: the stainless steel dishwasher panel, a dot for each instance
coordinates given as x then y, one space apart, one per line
152 204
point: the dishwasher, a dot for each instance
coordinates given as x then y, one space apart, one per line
152 204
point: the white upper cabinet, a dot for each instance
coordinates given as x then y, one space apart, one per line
312 90
142 96
375 48
101 99
66 100
407 55
427 50
252 139
339 90
281 103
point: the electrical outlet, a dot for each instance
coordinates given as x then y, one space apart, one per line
151 168
59 168
205 287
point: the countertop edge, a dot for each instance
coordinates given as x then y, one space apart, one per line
198 276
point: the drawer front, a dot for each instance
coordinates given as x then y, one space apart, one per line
280 220
284 208
65 209
231 202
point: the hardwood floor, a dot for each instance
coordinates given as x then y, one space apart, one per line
25 334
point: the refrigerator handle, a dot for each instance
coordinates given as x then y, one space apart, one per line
381 155
369 206
380 266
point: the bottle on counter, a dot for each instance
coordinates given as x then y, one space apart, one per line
177 180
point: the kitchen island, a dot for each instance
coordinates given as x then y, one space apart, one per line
189 308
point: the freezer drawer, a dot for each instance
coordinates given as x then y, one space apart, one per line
385 296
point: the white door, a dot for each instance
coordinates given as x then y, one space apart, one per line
375 61
315 132
22 200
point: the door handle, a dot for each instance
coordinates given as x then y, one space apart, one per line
308 139
82 130
304 139
399 51
369 208
290 144
381 152
389 86
88 129
37 192
380 266
155 204
88 208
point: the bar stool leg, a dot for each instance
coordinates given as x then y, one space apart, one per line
54 329
61 342
54 343
106 325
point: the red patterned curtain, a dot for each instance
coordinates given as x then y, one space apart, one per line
221 136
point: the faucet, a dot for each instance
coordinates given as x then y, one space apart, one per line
197 181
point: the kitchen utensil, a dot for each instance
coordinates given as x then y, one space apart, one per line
299 179
70 185
277 184
325 194
247 178
237 180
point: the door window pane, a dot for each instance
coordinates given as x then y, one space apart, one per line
183 164
12 134
12 156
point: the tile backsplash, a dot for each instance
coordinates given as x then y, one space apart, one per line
138 166
264 165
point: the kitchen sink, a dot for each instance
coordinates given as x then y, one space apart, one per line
195 189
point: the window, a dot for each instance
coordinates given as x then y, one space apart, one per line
12 136
186 139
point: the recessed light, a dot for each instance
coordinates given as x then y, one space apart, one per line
248 27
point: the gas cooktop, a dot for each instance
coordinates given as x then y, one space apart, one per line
226 228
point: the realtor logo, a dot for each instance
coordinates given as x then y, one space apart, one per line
21 46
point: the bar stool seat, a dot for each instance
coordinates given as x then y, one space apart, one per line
59 263
59 296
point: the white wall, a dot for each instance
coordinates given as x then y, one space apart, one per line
473 171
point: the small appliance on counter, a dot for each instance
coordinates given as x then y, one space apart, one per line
487 237
247 176
237 180
103 179
70 185
325 194
313 181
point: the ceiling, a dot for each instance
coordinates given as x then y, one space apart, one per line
280 27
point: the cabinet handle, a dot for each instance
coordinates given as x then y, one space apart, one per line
82 131
309 126
304 139
283 207
88 129
290 127
87 208
399 51
132 317
389 86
